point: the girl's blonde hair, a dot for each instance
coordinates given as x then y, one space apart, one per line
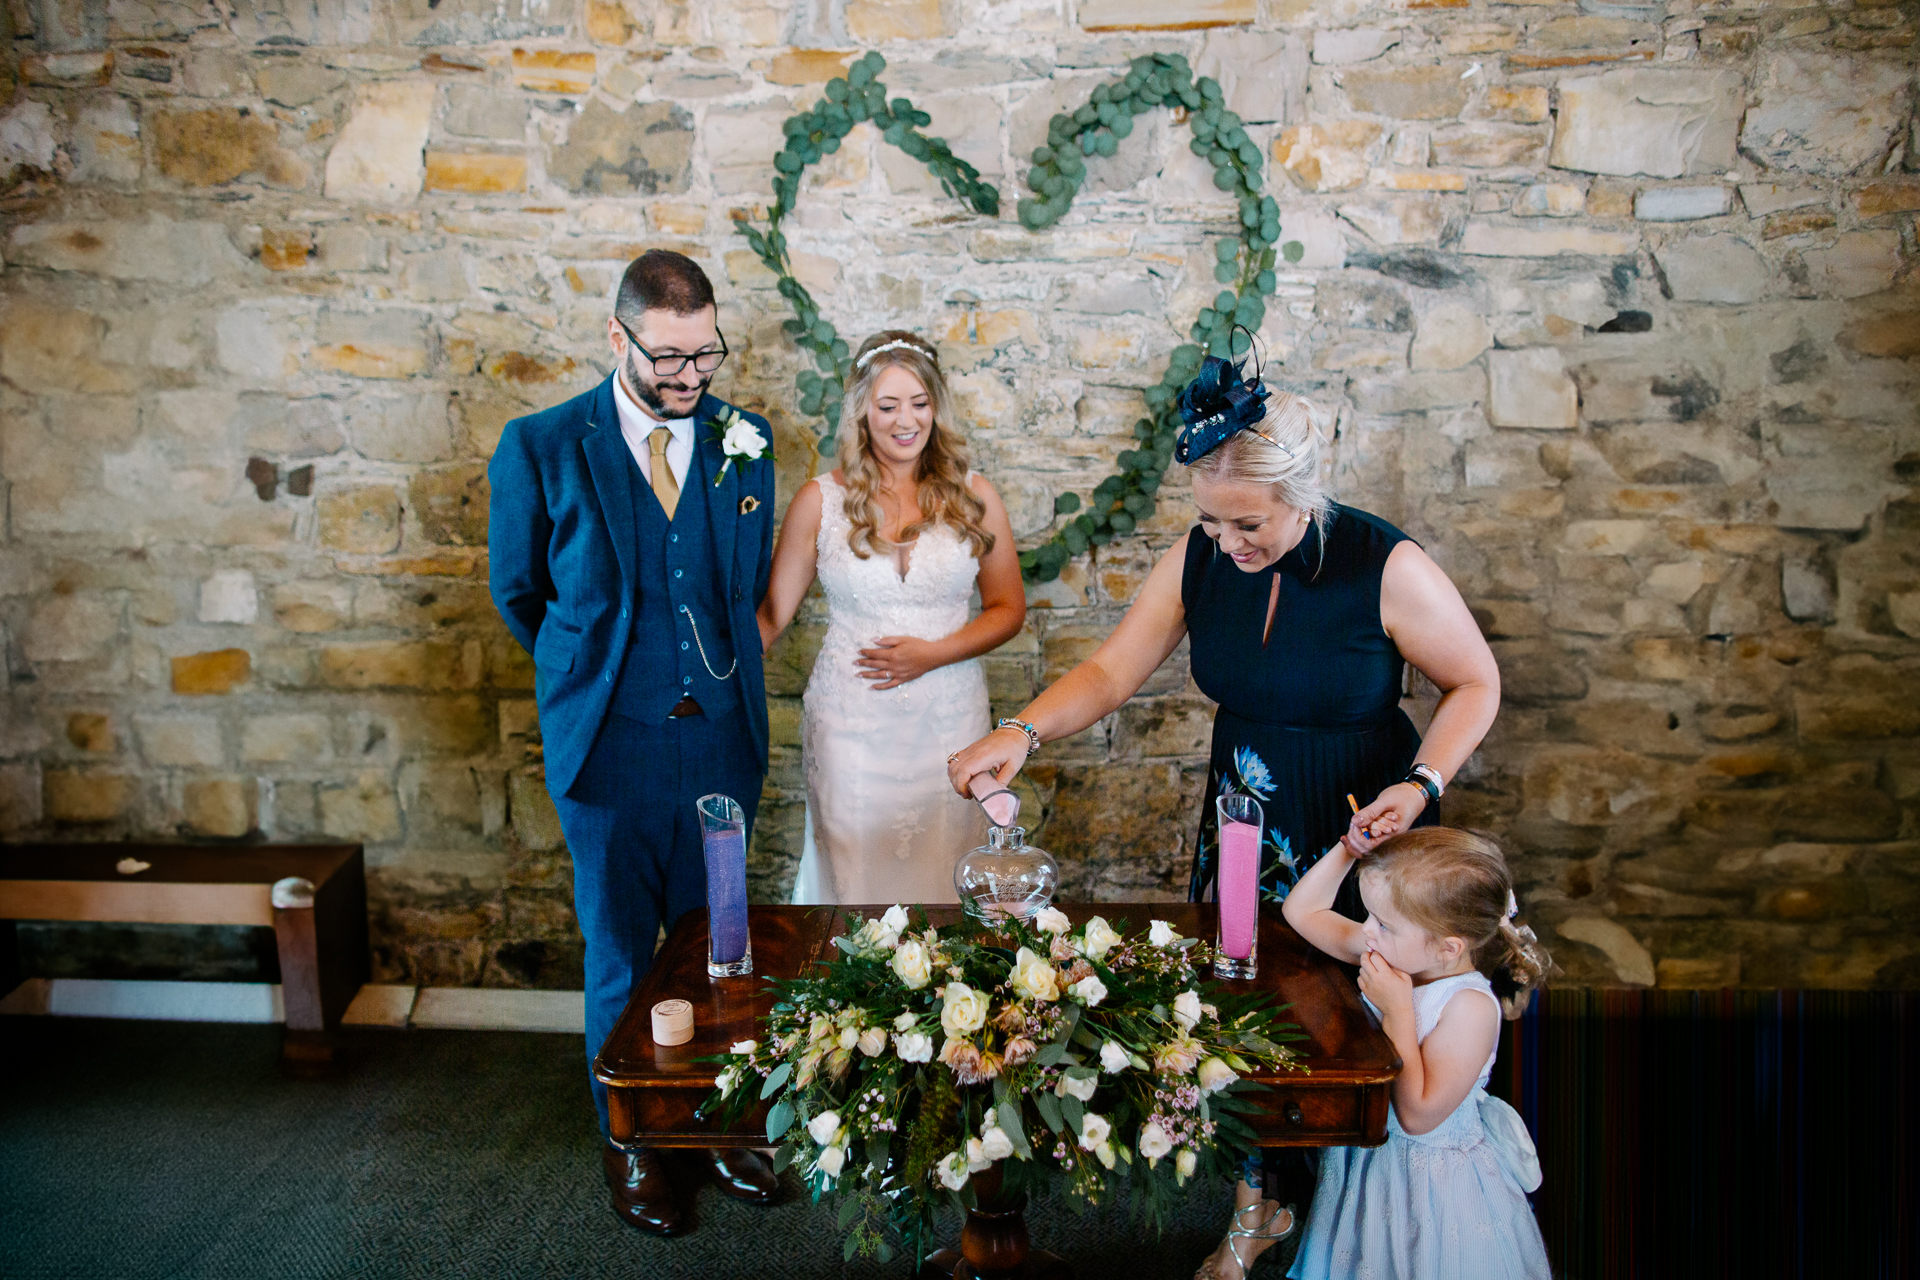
1455 884
1281 450
941 472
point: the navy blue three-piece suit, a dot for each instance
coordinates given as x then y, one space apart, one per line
626 613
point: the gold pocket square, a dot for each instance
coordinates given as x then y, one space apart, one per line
749 505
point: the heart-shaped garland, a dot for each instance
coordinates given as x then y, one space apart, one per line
1126 497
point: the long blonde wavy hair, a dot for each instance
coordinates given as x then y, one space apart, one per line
941 472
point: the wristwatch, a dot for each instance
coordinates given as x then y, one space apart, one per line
1033 734
1427 778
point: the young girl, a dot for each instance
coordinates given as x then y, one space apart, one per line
1446 1196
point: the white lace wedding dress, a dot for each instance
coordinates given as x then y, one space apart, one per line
883 825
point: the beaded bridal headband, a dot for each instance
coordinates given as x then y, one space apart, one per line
895 345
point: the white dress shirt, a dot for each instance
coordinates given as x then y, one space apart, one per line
636 426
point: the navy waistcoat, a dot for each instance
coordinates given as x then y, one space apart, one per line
679 609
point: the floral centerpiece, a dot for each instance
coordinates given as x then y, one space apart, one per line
916 1059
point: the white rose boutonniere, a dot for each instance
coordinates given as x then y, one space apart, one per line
738 439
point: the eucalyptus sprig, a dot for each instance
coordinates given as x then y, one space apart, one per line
811 135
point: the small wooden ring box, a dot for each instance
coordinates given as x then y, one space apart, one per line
672 1022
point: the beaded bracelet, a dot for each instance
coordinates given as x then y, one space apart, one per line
1033 734
1427 778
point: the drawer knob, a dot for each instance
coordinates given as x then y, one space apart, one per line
1293 1115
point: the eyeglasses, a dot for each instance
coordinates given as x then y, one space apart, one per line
668 365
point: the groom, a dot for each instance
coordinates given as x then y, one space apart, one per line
630 537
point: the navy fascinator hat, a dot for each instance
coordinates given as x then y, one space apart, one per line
1218 403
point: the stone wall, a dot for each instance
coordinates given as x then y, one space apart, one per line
1612 306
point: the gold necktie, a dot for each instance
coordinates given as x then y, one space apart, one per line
664 487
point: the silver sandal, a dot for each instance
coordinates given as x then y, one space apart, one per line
1240 1231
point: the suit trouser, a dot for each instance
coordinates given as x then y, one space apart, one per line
630 824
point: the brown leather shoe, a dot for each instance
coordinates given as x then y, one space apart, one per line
743 1173
642 1192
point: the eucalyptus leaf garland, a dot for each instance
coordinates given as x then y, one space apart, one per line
1244 266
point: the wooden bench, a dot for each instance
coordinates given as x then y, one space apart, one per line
313 897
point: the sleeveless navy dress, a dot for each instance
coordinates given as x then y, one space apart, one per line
1312 714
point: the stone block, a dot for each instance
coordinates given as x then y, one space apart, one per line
1146 15
808 66
1262 74
1517 104
226 807
304 739
1482 145
91 731
360 520
285 248
21 794
1662 123
1550 200
377 158
475 173
295 84
474 111
1900 195
1903 608
302 22
363 810
1490 239
1604 537
1449 336
86 798
426 23
180 741
230 596
1407 93
1530 388
1762 198
70 628
646 151
1682 204
398 664
370 344
878 20
1826 113
1892 334
1856 264
1712 268
106 141
1356 44
1331 156
451 504
75 70
554 70
216 671
1410 219
1797 223
535 821
156 249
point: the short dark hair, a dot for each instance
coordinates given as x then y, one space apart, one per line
662 280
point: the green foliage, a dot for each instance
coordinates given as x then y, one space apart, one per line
856 98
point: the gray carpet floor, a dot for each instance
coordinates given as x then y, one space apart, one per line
140 1149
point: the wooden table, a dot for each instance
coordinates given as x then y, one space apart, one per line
654 1090
313 897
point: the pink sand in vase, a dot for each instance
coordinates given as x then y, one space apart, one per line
1239 887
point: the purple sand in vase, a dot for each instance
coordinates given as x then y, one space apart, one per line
723 835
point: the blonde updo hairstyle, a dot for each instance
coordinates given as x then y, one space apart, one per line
1454 883
941 471
1282 451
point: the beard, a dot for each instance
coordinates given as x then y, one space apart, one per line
648 391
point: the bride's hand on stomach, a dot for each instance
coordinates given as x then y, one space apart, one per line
896 660
1000 753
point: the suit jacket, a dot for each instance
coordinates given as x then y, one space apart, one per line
562 545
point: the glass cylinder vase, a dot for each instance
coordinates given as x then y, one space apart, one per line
1238 881
723 836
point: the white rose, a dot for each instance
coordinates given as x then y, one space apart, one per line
1105 1153
1032 976
823 1127
1184 1163
1186 1009
1089 991
912 965
1051 920
965 1010
1098 938
726 1081
743 439
1094 1130
1081 1089
849 1037
1113 1059
1161 933
906 1021
976 1155
894 921
953 1170
995 1143
1215 1075
1154 1141
913 1046
873 1042
744 1046
831 1161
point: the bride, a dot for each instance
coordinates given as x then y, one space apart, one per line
900 534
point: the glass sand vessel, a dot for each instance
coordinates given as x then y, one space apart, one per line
1006 876
1236 955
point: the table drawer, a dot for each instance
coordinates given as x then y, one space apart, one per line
1305 1115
